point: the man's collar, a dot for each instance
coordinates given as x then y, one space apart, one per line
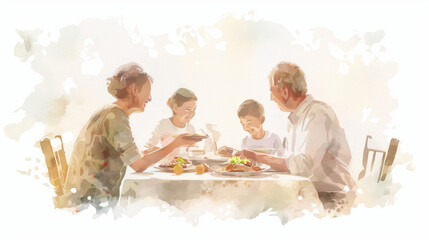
295 115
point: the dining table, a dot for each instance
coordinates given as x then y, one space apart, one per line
223 196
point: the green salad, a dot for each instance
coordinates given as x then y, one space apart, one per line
180 161
239 160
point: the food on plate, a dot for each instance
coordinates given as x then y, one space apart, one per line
194 135
202 168
257 168
191 135
237 164
176 161
178 169
236 167
237 159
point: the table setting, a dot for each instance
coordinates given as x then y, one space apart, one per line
242 189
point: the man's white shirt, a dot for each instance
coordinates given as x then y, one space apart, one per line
317 148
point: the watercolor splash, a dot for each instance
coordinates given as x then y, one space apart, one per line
233 57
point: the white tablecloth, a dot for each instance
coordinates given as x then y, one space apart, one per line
284 195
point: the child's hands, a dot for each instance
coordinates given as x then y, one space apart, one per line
225 151
252 156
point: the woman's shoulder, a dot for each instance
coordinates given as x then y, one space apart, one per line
115 111
110 112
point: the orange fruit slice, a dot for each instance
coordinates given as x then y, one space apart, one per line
178 169
200 169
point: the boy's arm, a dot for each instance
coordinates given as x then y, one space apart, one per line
276 163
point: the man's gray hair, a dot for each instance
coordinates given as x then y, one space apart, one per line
290 75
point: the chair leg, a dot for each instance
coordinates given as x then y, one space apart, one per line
365 158
390 157
373 160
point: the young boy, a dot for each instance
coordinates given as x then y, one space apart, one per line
251 114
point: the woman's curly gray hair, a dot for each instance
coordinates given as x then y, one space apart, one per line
126 75
289 75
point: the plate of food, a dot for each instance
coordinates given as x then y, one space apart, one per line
240 168
195 136
177 161
209 160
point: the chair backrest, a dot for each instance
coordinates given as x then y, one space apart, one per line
388 163
366 153
386 160
55 161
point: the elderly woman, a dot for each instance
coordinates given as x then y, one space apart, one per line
105 146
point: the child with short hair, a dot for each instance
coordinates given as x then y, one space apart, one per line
183 104
251 114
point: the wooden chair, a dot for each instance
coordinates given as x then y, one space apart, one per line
386 161
56 162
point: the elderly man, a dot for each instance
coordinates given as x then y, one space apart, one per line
316 146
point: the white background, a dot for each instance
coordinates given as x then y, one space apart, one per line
25 214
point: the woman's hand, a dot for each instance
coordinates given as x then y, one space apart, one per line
153 157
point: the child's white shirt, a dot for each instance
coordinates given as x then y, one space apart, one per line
164 134
270 140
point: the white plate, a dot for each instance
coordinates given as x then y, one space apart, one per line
170 169
195 137
218 169
209 158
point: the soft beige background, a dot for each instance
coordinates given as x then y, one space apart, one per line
366 60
